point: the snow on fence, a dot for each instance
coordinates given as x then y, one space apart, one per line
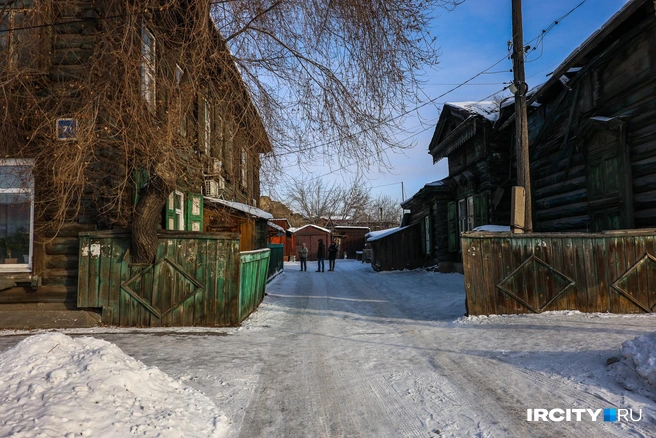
613 271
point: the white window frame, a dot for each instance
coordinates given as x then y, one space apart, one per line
244 168
179 212
21 267
148 71
466 214
207 126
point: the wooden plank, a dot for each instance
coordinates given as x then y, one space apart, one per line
570 268
650 247
83 276
190 313
200 311
613 272
509 266
123 276
490 258
543 275
555 257
166 283
642 295
602 274
95 251
104 282
473 289
632 284
621 268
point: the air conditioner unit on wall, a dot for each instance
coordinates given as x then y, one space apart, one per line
211 188
213 166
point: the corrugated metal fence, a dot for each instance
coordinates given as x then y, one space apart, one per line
194 281
522 273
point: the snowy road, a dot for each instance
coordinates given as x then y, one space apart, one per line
362 354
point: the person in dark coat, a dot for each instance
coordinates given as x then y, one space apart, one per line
332 255
321 255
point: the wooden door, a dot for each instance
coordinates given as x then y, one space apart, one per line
610 205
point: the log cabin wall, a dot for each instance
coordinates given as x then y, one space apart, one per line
610 102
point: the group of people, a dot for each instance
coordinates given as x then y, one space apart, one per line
321 256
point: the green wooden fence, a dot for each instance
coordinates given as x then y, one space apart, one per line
253 269
195 280
613 271
277 258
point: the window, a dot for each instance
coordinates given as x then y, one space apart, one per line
16 215
182 128
466 214
427 234
18 40
148 67
207 126
244 168
175 211
227 146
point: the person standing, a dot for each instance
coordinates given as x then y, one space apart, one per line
302 253
321 255
332 255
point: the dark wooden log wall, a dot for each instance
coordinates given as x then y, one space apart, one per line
619 82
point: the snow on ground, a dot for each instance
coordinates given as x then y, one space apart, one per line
52 385
347 353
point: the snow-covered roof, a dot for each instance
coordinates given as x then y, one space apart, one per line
375 235
350 227
276 227
487 108
296 230
241 207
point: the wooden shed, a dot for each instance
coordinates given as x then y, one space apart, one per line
350 239
310 235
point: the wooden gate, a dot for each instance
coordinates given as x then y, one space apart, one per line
613 271
194 280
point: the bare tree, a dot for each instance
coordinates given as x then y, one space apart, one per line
331 77
314 199
328 77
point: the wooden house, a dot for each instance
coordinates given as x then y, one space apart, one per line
310 235
349 239
56 54
592 149
593 133
429 212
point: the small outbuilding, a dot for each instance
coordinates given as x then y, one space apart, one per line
310 235
350 239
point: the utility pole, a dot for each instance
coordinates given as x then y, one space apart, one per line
521 120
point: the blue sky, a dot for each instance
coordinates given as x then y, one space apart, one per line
473 37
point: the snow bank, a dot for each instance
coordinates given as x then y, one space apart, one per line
641 351
52 385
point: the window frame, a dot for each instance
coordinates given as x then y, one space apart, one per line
16 162
148 68
174 213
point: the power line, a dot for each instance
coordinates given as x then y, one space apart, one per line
431 101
